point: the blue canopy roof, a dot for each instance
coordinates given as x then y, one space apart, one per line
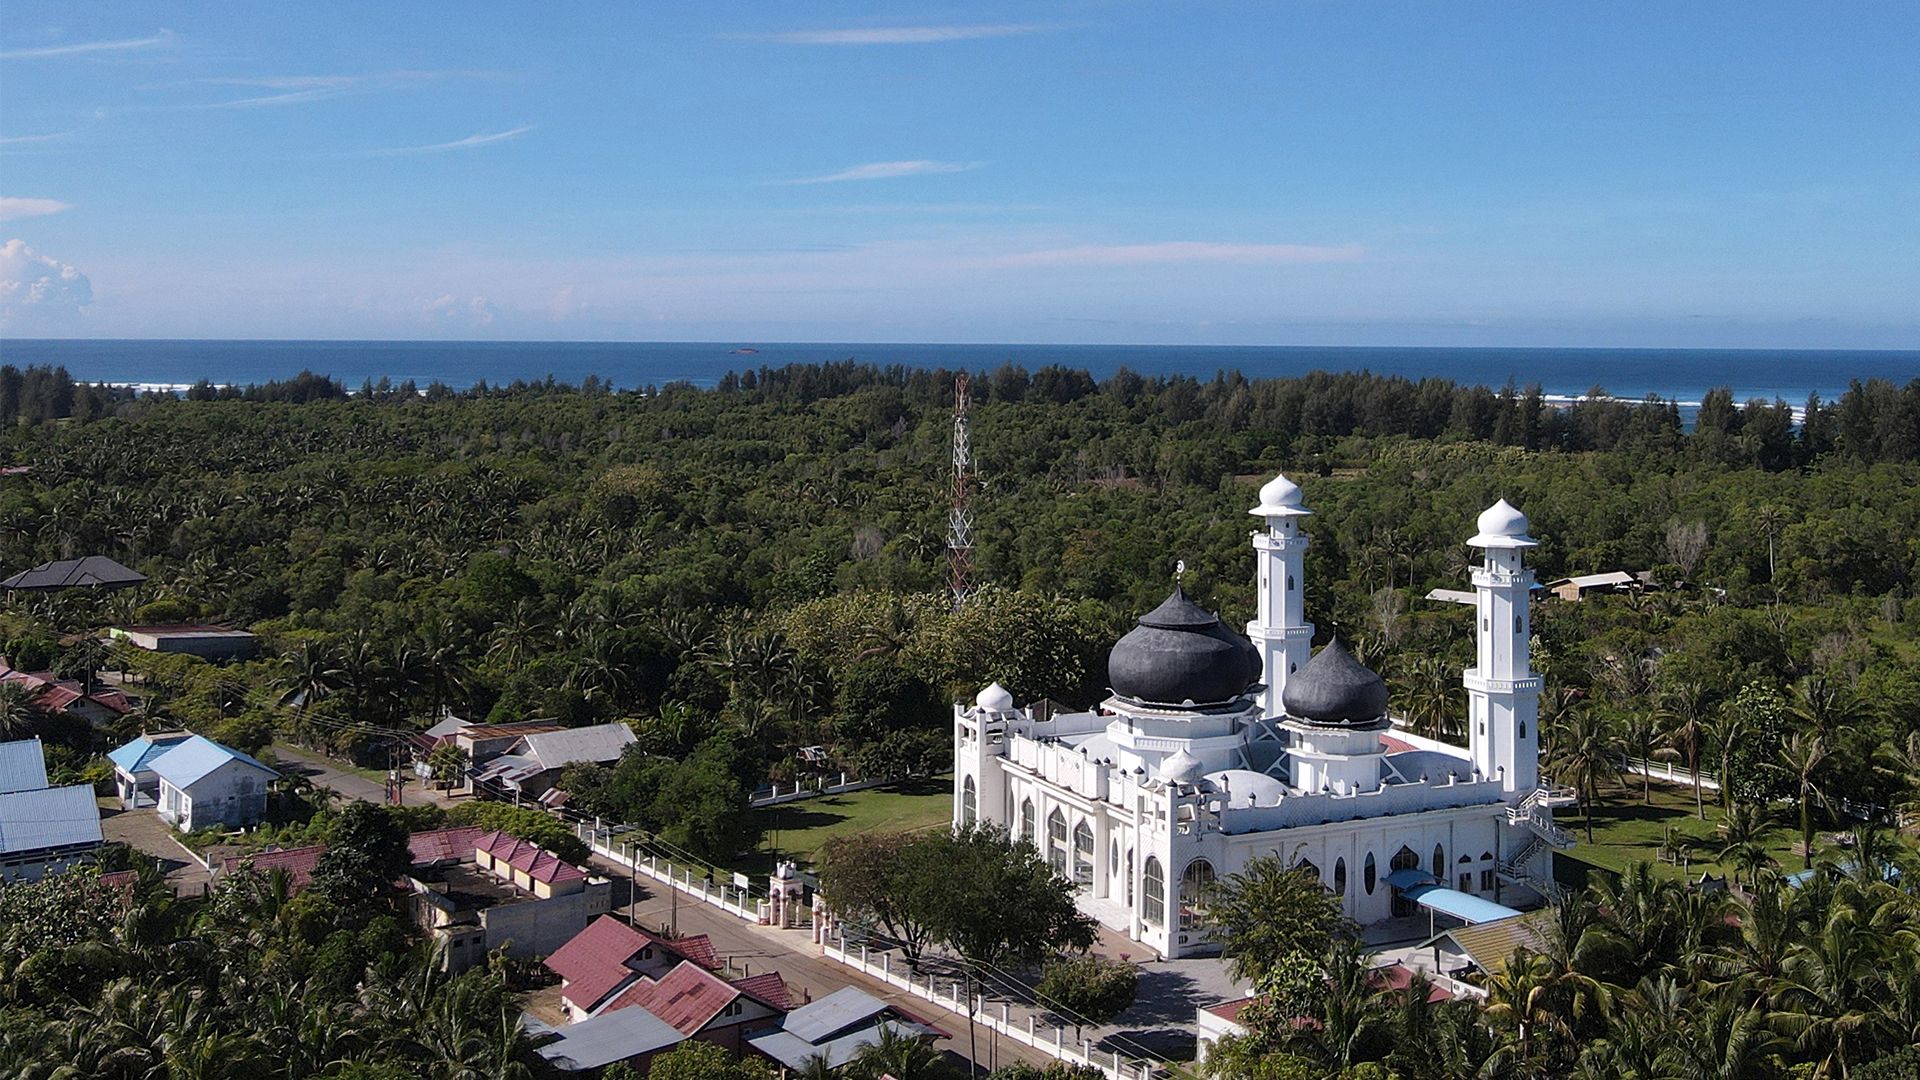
1458 904
138 754
1411 878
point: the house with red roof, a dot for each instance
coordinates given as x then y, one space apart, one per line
478 892
69 697
428 849
649 1016
609 956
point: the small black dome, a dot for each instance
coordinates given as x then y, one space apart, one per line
1180 653
1335 688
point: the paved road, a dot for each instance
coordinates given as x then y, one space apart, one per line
324 773
809 974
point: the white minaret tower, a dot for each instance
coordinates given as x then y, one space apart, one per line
1503 693
1280 629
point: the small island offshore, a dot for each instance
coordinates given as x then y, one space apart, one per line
696 653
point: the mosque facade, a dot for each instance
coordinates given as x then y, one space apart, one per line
1215 748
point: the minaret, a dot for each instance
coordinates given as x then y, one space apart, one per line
1503 693
1280 629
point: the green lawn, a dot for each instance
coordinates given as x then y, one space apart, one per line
796 830
1627 830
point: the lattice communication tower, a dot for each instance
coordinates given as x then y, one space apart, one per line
960 513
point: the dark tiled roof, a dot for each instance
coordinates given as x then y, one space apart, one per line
93 571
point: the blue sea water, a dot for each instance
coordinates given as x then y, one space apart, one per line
1678 374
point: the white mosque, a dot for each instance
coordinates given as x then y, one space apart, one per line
1215 749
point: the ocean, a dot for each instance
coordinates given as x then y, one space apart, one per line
1677 374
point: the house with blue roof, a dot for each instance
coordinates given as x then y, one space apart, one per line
42 829
134 780
199 782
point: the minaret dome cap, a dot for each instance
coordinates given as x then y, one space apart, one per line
1502 525
995 698
1280 497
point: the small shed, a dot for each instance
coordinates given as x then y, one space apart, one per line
193 639
1579 588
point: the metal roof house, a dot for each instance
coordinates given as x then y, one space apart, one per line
42 829
90 572
23 765
536 759
198 781
133 777
837 1027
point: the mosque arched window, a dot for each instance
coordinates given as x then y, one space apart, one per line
1370 874
1057 842
1026 821
1404 859
1196 881
1439 863
1153 889
1340 876
1082 854
1307 867
969 803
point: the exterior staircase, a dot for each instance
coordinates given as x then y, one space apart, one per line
1536 813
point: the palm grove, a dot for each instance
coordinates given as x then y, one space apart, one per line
743 570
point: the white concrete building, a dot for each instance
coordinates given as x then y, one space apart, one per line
201 783
43 830
1214 749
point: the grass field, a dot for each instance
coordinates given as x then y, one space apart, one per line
796 830
1627 830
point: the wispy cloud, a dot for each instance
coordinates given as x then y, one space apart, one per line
24 140
13 207
888 170
295 89
80 48
1185 251
898 35
468 143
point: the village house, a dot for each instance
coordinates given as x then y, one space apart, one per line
651 1016
427 849
1221 1019
88 572
533 765
134 780
835 1028
43 829
609 956
479 743
199 782
1585 585
70 697
504 893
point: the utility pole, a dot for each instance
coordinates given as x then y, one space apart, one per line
960 510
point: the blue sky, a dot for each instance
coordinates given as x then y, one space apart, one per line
1275 173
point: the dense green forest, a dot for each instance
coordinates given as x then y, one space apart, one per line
756 567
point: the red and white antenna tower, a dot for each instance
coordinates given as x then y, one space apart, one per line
960 513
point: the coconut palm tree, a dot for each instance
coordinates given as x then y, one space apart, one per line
1683 707
1825 996
1723 734
1802 757
19 711
1640 738
1582 755
1729 1040
1741 840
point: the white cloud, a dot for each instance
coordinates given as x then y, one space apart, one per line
33 285
899 35
467 143
1185 251
887 170
13 207
294 89
450 310
79 48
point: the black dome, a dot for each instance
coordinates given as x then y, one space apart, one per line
1180 653
1335 688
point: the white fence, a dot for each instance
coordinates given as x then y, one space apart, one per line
1669 772
773 796
1048 1038
727 896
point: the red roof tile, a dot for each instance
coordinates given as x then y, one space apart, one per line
444 845
768 987
536 862
1394 746
688 998
299 863
594 961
